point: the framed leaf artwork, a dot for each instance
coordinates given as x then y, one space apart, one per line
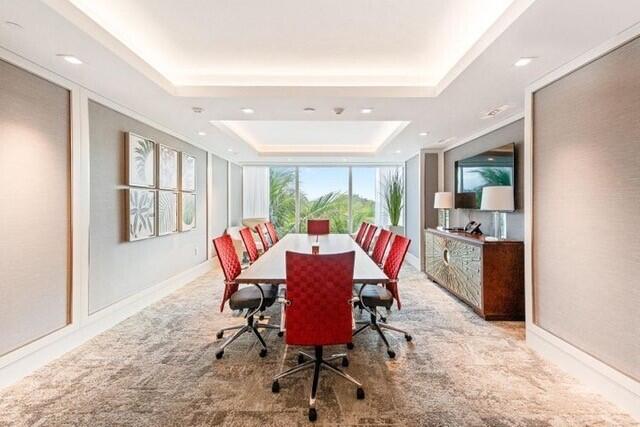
141 213
167 212
188 172
167 168
188 211
141 161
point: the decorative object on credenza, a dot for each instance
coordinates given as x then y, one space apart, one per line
187 172
141 160
499 200
167 212
443 201
141 213
393 197
188 211
167 168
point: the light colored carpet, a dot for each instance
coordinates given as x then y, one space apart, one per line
158 368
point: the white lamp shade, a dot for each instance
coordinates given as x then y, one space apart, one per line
443 200
497 199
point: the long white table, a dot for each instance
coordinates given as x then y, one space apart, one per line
270 267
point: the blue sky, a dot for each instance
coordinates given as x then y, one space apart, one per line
316 181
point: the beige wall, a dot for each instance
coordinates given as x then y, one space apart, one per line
586 206
35 226
118 268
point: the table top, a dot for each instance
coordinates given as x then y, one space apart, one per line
270 267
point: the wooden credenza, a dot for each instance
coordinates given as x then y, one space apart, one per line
487 275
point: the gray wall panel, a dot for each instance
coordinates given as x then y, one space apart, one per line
412 204
219 215
235 197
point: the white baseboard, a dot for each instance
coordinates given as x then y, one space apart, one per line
413 260
23 361
599 377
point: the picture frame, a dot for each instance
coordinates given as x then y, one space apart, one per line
141 161
167 168
187 172
187 211
167 212
141 214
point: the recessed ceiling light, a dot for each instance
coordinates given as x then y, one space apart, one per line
309 110
13 25
247 110
525 60
202 133
423 133
197 110
366 110
70 59
230 150
398 151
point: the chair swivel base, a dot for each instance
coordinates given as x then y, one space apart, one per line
251 326
377 326
317 362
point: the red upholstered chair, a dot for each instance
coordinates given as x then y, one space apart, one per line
362 231
380 247
373 296
261 229
250 244
253 298
368 238
273 234
318 226
318 313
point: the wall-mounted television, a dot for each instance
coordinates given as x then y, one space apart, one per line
495 167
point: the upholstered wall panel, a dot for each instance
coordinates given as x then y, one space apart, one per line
219 215
119 268
235 195
35 251
430 189
586 205
513 132
412 204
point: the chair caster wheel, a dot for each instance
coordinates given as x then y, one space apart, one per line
300 359
280 333
360 393
391 353
275 387
345 362
408 338
350 346
219 354
220 334
313 415
263 352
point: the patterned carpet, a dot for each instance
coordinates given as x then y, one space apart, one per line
158 368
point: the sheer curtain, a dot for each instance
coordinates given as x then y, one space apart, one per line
382 217
255 192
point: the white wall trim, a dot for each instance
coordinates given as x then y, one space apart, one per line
21 362
600 377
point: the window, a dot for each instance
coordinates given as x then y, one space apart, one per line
363 196
324 193
282 195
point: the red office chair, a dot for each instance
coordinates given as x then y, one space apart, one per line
318 226
362 231
273 234
318 313
252 298
380 247
366 243
264 239
250 244
373 296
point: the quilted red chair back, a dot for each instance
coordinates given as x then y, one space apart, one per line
361 231
381 246
371 231
319 288
318 226
249 244
230 264
273 234
262 233
393 263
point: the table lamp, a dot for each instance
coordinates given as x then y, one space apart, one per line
443 201
499 200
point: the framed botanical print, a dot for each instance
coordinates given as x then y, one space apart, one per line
188 172
167 168
141 213
141 161
167 212
188 211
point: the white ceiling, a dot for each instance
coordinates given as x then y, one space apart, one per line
553 31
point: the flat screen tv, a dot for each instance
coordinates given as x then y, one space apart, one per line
495 167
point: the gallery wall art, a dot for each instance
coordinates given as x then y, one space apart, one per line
188 211
141 209
141 161
167 212
188 172
167 168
